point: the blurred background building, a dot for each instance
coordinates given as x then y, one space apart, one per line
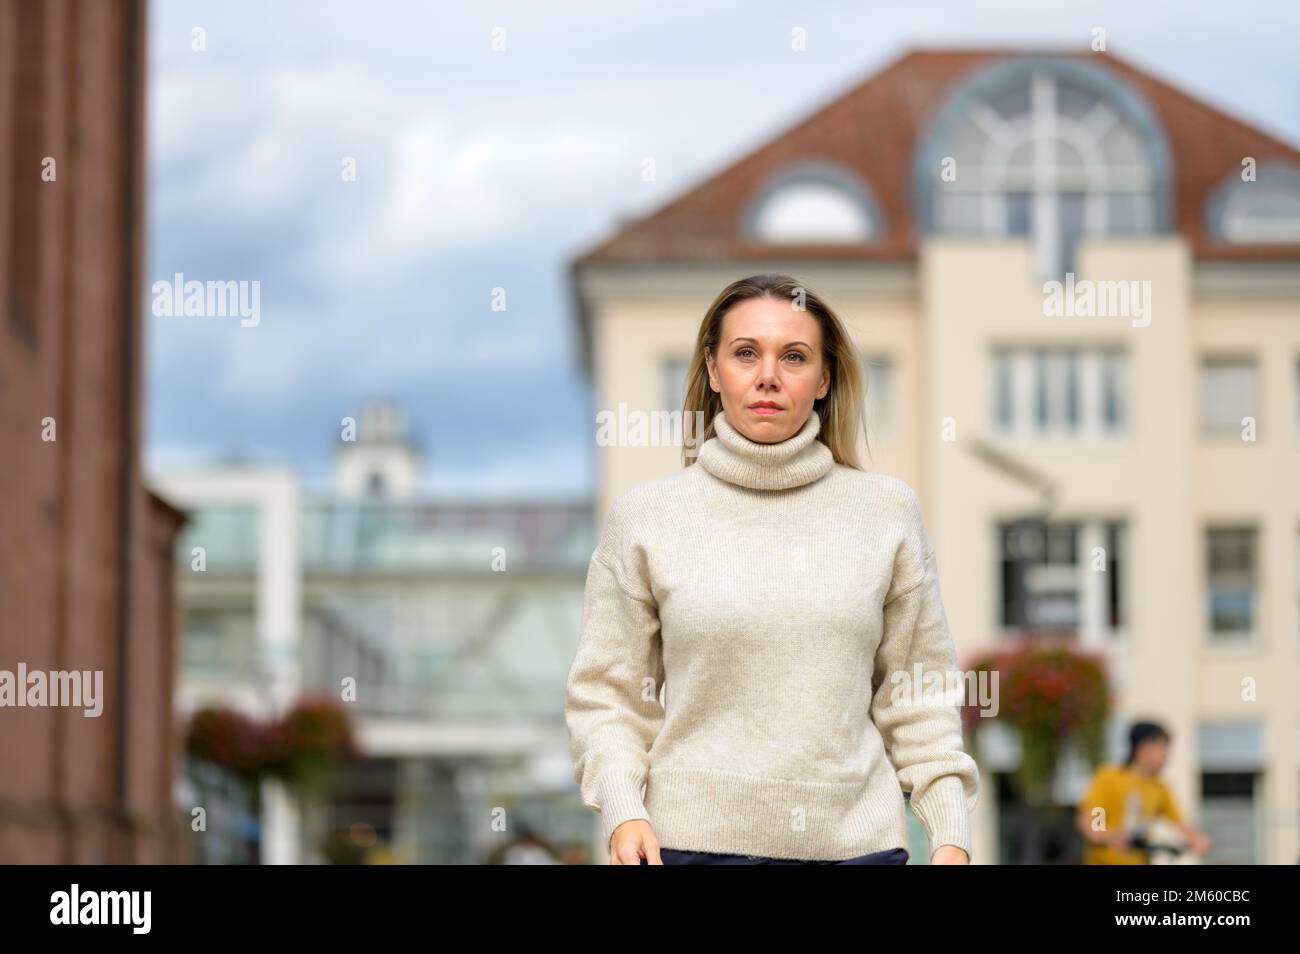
86 579
930 205
457 623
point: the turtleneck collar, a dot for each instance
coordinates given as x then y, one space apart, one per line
797 460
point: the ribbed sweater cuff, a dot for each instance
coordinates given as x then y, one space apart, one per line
620 799
944 814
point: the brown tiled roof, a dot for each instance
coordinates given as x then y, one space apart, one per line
871 130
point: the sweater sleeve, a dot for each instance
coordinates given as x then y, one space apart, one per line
921 724
612 706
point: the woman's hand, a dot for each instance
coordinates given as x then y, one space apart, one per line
950 855
632 841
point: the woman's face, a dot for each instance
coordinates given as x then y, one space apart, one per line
769 353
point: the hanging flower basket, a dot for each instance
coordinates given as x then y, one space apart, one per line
1054 697
303 747
310 741
230 739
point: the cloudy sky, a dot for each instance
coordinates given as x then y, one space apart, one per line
478 169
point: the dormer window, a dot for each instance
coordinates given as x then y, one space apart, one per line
1263 209
813 202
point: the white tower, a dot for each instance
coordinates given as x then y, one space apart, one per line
380 462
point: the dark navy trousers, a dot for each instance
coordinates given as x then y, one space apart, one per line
676 856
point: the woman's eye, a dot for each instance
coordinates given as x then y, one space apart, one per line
743 352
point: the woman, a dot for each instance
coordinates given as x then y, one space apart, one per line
786 603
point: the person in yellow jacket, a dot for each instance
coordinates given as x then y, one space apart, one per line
1116 813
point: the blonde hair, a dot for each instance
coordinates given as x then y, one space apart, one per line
842 410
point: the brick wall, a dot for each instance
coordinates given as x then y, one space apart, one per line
85 551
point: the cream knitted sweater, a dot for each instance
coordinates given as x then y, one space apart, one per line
784 604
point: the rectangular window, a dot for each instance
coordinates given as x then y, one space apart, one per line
1071 385
1003 392
1231 575
1114 574
1229 392
1062 394
674 383
878 371
1232 756
1112 391
1042 414
1046 577
1229 817
1060 391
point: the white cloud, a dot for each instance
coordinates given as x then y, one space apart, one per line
260 142
477 189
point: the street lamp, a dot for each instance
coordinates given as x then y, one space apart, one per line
1028 533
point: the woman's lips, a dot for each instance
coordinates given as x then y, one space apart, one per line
766 410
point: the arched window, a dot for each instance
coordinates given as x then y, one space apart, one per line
1265 209
813 202
1051 149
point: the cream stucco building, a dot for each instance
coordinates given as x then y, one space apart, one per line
932 206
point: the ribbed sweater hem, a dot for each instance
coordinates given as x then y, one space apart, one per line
732 813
